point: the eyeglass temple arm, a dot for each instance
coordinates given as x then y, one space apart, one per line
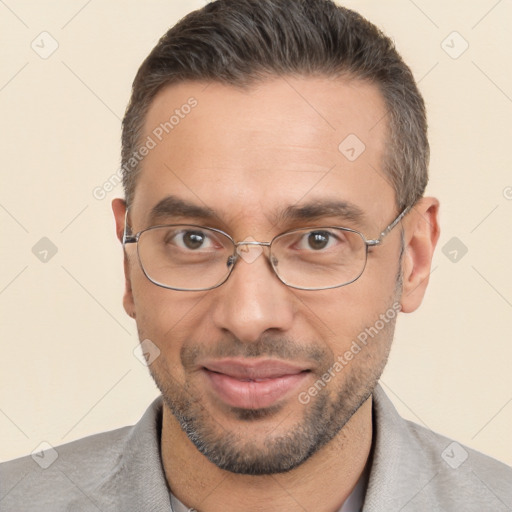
127 239
378 241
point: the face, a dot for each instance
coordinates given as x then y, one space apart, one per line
260 375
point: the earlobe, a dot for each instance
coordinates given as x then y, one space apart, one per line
421 235
128 300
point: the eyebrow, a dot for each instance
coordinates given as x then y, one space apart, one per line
316 210
172 206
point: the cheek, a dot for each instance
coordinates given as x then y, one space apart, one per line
341 312
344 315
167 317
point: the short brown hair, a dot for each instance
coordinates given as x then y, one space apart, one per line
238 42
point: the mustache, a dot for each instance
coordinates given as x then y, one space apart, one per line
268 345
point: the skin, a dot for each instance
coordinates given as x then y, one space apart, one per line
247 154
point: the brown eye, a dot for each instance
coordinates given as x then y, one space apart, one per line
193 239
318 240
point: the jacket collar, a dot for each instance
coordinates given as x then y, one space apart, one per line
138 481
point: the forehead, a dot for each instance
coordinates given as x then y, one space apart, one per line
244 152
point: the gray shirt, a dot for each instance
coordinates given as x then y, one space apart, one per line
412 469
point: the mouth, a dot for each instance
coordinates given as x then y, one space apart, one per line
255 384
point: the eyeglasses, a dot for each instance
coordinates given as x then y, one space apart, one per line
187 257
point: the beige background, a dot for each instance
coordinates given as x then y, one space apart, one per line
67 367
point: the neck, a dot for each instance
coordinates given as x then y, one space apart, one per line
334 471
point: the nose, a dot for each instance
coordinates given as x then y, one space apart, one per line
253 300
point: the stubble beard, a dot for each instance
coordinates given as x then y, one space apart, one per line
323 417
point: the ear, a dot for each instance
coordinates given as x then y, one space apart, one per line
119 209
421 232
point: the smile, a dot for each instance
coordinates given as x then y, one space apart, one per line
256 385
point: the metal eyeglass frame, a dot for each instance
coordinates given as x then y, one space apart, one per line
134 239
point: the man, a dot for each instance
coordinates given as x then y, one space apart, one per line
274 224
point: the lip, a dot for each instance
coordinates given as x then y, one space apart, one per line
253 384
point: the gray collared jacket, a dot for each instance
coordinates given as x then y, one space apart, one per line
412 469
